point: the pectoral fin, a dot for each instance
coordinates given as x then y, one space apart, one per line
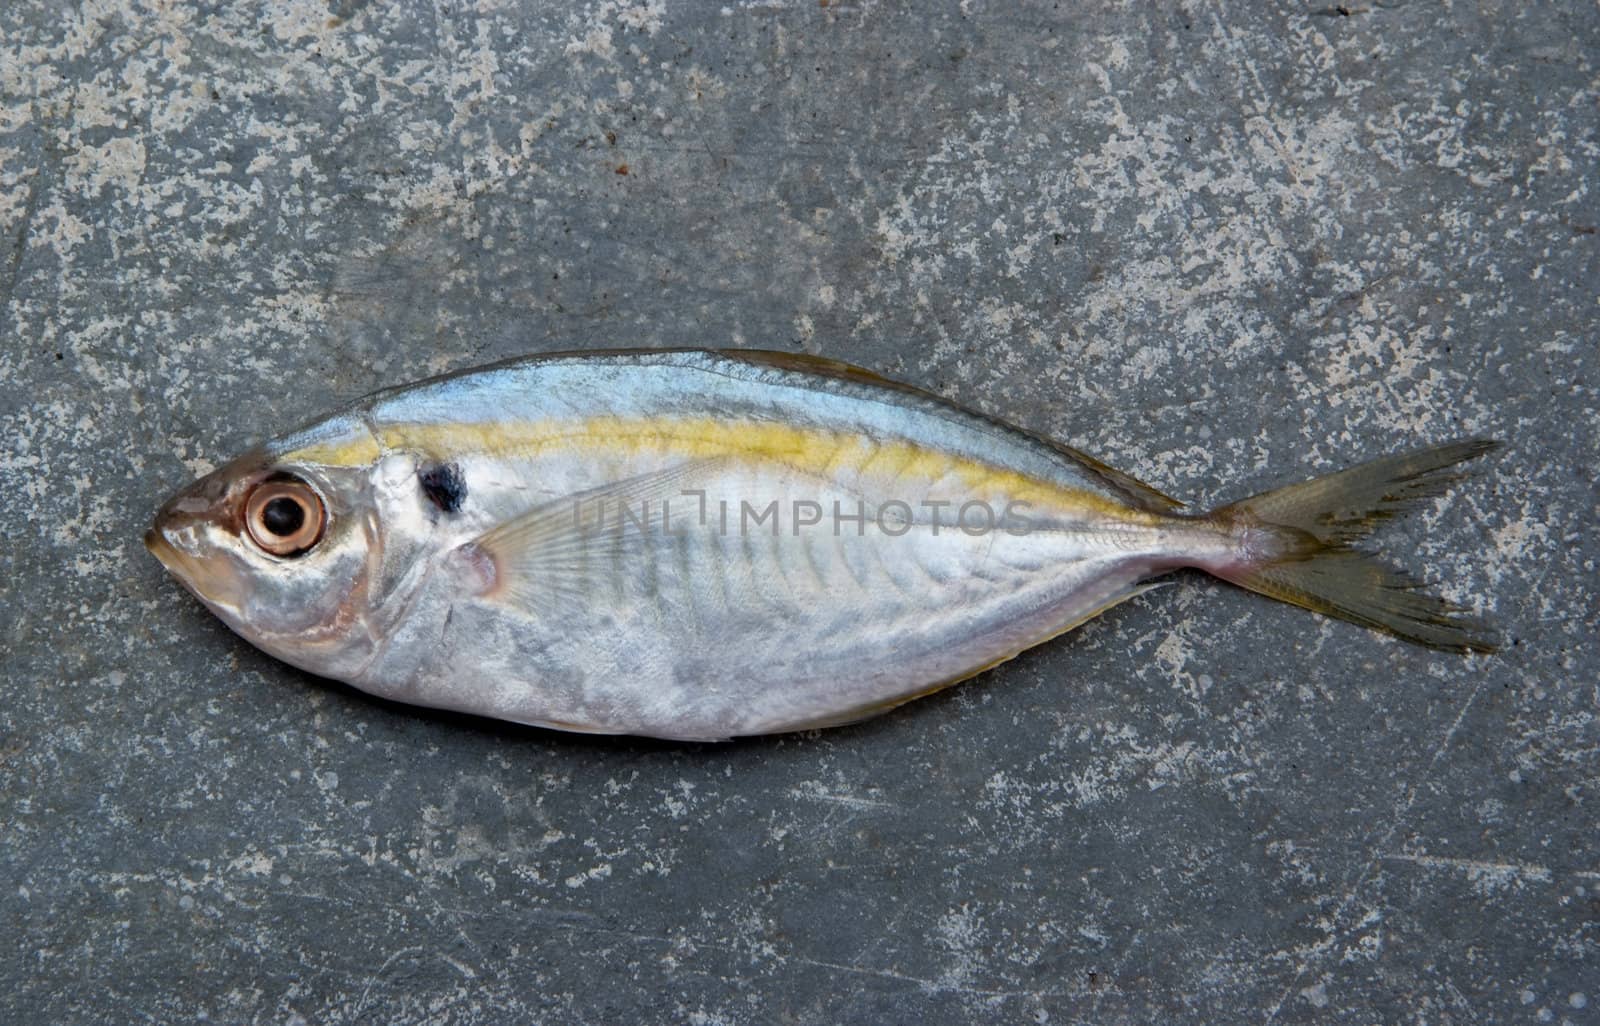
560 550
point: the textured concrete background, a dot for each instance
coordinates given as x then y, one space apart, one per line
1222 245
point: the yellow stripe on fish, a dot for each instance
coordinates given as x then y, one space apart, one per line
812 451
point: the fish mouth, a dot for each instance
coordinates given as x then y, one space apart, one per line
193 531
177 563
209 580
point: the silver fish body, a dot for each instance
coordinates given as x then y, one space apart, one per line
703 544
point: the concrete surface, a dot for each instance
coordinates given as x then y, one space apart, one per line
1222 245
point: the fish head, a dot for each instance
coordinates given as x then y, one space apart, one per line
284 547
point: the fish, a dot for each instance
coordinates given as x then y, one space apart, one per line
707 544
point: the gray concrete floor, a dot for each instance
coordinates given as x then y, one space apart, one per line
1221 245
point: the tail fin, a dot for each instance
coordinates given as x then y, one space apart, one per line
1300 538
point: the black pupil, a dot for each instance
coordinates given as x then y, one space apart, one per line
283 516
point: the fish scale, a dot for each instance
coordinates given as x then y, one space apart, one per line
792 543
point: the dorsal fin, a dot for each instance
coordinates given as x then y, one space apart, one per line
812 364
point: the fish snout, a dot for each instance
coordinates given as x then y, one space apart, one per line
192 535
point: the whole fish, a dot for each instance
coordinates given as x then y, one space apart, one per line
705 544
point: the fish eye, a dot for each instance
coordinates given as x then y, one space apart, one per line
284 516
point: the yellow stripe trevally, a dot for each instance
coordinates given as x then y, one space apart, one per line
705 544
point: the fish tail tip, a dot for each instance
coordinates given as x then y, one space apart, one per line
1303 538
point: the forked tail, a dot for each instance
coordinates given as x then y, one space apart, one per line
1297 545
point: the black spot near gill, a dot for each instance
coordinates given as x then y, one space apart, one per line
444 486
